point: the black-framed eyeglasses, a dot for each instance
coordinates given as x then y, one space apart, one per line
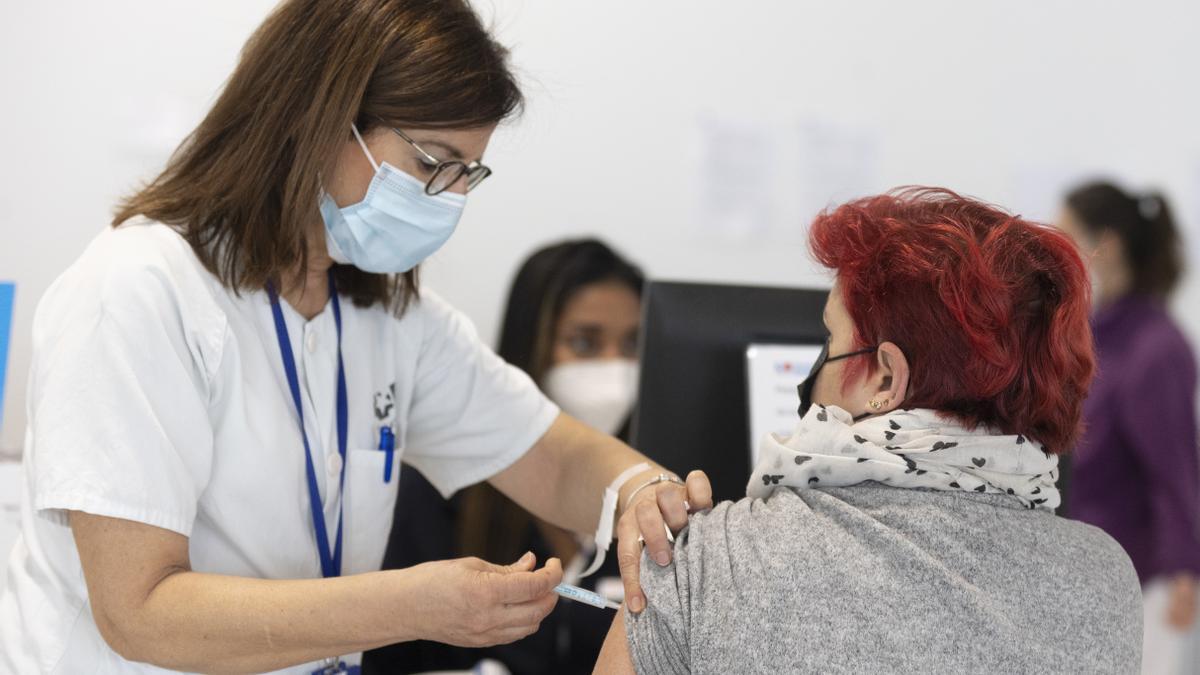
447 173
805 388
824 356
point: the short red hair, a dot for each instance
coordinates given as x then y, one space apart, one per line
990 310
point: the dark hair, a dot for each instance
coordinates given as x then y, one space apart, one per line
1145 228
543 286
490 525
243 187
990 310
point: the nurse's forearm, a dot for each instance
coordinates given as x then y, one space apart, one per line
150 607
563 476
562 479
206 622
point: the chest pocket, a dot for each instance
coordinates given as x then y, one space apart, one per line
370 502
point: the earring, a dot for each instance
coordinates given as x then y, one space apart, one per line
876 405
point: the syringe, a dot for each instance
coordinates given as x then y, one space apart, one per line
585 596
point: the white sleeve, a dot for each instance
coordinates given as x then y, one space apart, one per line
118 397
472 414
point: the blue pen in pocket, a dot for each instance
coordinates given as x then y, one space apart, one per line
387 443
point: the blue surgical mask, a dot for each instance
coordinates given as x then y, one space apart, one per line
395 227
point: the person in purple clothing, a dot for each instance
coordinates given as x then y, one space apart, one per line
1135 472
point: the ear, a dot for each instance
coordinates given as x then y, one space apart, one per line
892 376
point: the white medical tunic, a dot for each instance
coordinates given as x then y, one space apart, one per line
158 395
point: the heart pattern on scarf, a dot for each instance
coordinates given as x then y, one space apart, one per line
917 448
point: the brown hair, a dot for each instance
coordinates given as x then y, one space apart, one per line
243 187
1143 223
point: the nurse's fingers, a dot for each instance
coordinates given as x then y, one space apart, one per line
629 560
509 635
527 614
525 563
653 532
699 491
671 505
513 586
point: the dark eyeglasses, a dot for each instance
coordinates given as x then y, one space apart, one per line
447 173
805 388
824 356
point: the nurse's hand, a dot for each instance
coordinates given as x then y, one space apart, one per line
472 603
664 503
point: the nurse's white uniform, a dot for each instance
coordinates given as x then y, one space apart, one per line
157 395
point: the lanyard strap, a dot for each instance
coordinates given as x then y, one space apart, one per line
331 560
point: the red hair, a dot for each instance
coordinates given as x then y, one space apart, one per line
990 310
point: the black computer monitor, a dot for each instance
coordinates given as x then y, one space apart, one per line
692 410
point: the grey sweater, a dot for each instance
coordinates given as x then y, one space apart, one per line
887 580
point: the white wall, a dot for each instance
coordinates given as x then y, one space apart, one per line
643 116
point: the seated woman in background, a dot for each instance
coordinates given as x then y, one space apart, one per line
571 323
1136 473
907 525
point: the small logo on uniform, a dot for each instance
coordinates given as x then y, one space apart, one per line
385 403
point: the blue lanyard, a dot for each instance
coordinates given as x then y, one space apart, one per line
331 561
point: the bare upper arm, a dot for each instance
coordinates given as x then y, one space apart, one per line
123 561
614 655
533 467
541 466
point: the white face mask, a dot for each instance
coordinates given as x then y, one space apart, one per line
599 393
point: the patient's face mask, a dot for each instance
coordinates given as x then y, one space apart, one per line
805 388
599 393
396 225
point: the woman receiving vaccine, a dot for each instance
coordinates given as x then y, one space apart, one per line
571 322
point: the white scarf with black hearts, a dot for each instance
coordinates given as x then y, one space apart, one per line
905 448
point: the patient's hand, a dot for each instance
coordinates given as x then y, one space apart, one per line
667 503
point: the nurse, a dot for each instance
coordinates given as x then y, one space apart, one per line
225 383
